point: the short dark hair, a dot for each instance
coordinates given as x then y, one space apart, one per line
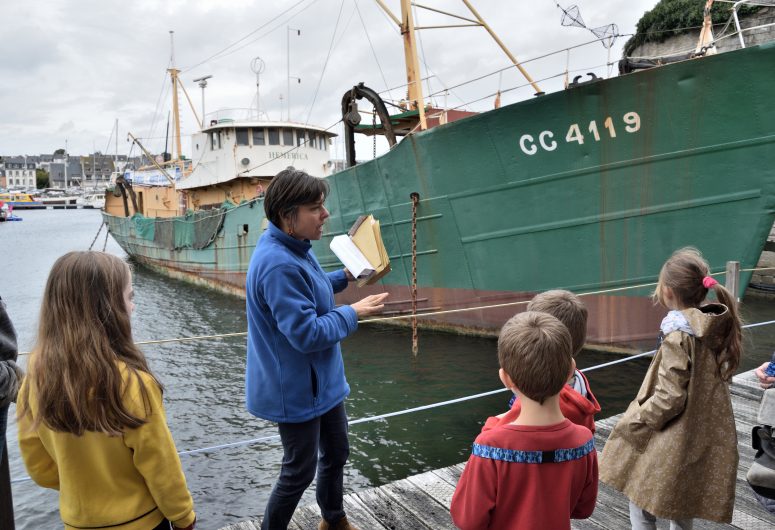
534 349
568 309
289 189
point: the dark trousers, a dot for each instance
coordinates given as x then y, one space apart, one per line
302 442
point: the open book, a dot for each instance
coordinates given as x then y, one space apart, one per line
362 252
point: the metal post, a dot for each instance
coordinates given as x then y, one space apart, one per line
737 23
6 501
732 282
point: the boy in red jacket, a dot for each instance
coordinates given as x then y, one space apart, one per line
577 402
540 470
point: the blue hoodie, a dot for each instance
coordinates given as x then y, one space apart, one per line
294 368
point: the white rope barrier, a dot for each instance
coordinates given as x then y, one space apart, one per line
253 441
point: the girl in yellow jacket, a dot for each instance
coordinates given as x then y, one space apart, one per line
90 413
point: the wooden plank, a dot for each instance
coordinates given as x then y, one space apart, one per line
360 514
244 525
436 487
422 501
307 517
389 512
421 505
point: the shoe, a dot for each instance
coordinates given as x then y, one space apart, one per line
342 524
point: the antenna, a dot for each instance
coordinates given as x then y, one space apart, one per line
203 83
257 65
288 68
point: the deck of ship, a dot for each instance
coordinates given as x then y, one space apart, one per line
422 501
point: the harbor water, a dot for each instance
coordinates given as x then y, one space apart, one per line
204 381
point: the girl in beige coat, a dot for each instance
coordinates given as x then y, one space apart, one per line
674 451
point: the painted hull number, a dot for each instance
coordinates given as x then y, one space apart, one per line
545 141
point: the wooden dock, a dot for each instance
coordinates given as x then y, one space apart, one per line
422 501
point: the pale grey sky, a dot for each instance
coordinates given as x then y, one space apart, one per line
70 68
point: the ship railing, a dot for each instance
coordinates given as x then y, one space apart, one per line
741 3
233 114
723 35
732 281
567 72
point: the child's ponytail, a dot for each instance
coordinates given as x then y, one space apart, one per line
728 354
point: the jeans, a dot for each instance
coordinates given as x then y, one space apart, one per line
3 424
320 443
642 520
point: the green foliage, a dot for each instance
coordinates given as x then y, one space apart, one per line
674 17
41 178
59 152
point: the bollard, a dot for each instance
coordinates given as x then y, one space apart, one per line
732 282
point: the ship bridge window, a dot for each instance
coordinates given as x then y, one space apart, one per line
287 136
242 137
312 140
322 142
300 137
215 140
274 136
258 137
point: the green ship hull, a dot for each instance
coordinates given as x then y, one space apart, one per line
589 189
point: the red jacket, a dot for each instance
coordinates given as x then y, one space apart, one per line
504 486
577 408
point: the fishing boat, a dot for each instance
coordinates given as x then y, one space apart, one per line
21 201
588 189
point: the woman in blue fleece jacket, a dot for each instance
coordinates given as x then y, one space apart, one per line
295 374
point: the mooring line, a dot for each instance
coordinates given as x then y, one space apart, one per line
367 419
420 315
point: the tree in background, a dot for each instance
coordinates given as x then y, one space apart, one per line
59 152
41 178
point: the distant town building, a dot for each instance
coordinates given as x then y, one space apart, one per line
19 172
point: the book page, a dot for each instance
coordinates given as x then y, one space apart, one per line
364 238
350 256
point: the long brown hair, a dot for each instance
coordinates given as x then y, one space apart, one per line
84 331
683 273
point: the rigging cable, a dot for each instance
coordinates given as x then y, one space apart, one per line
325 64
373 51
262 26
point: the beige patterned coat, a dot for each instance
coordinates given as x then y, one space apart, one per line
674 451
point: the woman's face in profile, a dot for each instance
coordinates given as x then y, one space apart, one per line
309 221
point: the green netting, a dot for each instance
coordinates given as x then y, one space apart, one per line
144 226
195 230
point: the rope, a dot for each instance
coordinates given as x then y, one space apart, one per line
430 313
105 243
96 235
415 200
378 417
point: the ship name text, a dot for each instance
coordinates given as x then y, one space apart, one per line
545 141
292 156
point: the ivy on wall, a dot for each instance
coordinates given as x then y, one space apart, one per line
675 17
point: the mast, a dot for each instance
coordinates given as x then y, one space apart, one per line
706 34
413 75
175 110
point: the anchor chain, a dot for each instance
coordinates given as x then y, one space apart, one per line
415 200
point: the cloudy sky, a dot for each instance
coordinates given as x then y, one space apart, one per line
70 68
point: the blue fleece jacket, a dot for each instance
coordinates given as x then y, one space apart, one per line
294 368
